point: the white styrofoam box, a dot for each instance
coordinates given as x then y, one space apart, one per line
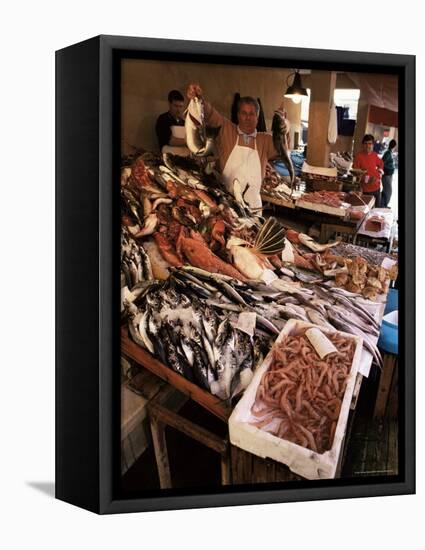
300 460
319 170
319 207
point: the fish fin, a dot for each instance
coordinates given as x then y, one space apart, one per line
271 238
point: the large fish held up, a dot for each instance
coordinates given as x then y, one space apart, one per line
279 126
199 137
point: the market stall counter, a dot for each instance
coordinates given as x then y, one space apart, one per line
336 213
208 287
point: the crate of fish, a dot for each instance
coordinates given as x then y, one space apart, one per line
295 410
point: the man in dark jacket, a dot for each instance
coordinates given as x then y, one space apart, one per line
387 178
170 125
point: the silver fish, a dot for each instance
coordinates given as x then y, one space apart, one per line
187 349
352 318
225 361
223 306
279 140
360 310
199 138
133 272
186 274
200 367
143 330
317 318
126 270
132 328
146 263
267 324
347 327
172 358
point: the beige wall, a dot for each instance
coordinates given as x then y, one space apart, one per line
145 86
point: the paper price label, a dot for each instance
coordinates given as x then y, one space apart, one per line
246 322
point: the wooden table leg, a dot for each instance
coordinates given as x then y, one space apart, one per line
323 238
390 362
226 478
161 416
161 453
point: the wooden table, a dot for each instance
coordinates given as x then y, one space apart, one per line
237 466
328 224
235 463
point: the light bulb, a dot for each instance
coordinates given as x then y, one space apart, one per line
296 98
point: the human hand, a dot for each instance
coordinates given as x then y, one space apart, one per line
193 90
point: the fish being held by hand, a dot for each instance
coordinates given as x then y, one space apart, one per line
199 137
279 129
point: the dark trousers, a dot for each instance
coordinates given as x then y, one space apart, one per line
387 191
377 195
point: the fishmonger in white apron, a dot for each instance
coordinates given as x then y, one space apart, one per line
244 165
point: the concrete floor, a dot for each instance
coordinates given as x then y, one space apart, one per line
372 449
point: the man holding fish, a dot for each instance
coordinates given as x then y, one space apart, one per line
243 152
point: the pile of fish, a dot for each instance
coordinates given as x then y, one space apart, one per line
208 288
329 198
185 216
135 263
193 303
192 338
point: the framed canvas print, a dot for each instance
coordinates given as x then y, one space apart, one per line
235 274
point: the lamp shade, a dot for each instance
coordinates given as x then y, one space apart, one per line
296 90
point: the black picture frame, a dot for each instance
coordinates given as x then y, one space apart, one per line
87 278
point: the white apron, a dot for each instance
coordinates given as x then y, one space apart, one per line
178 132
244 165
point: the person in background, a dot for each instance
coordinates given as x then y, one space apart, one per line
170 125
387 178
368 160
242 151
378 146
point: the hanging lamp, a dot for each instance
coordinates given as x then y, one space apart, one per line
296 91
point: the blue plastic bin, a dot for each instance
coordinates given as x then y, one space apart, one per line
392 301
388 338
